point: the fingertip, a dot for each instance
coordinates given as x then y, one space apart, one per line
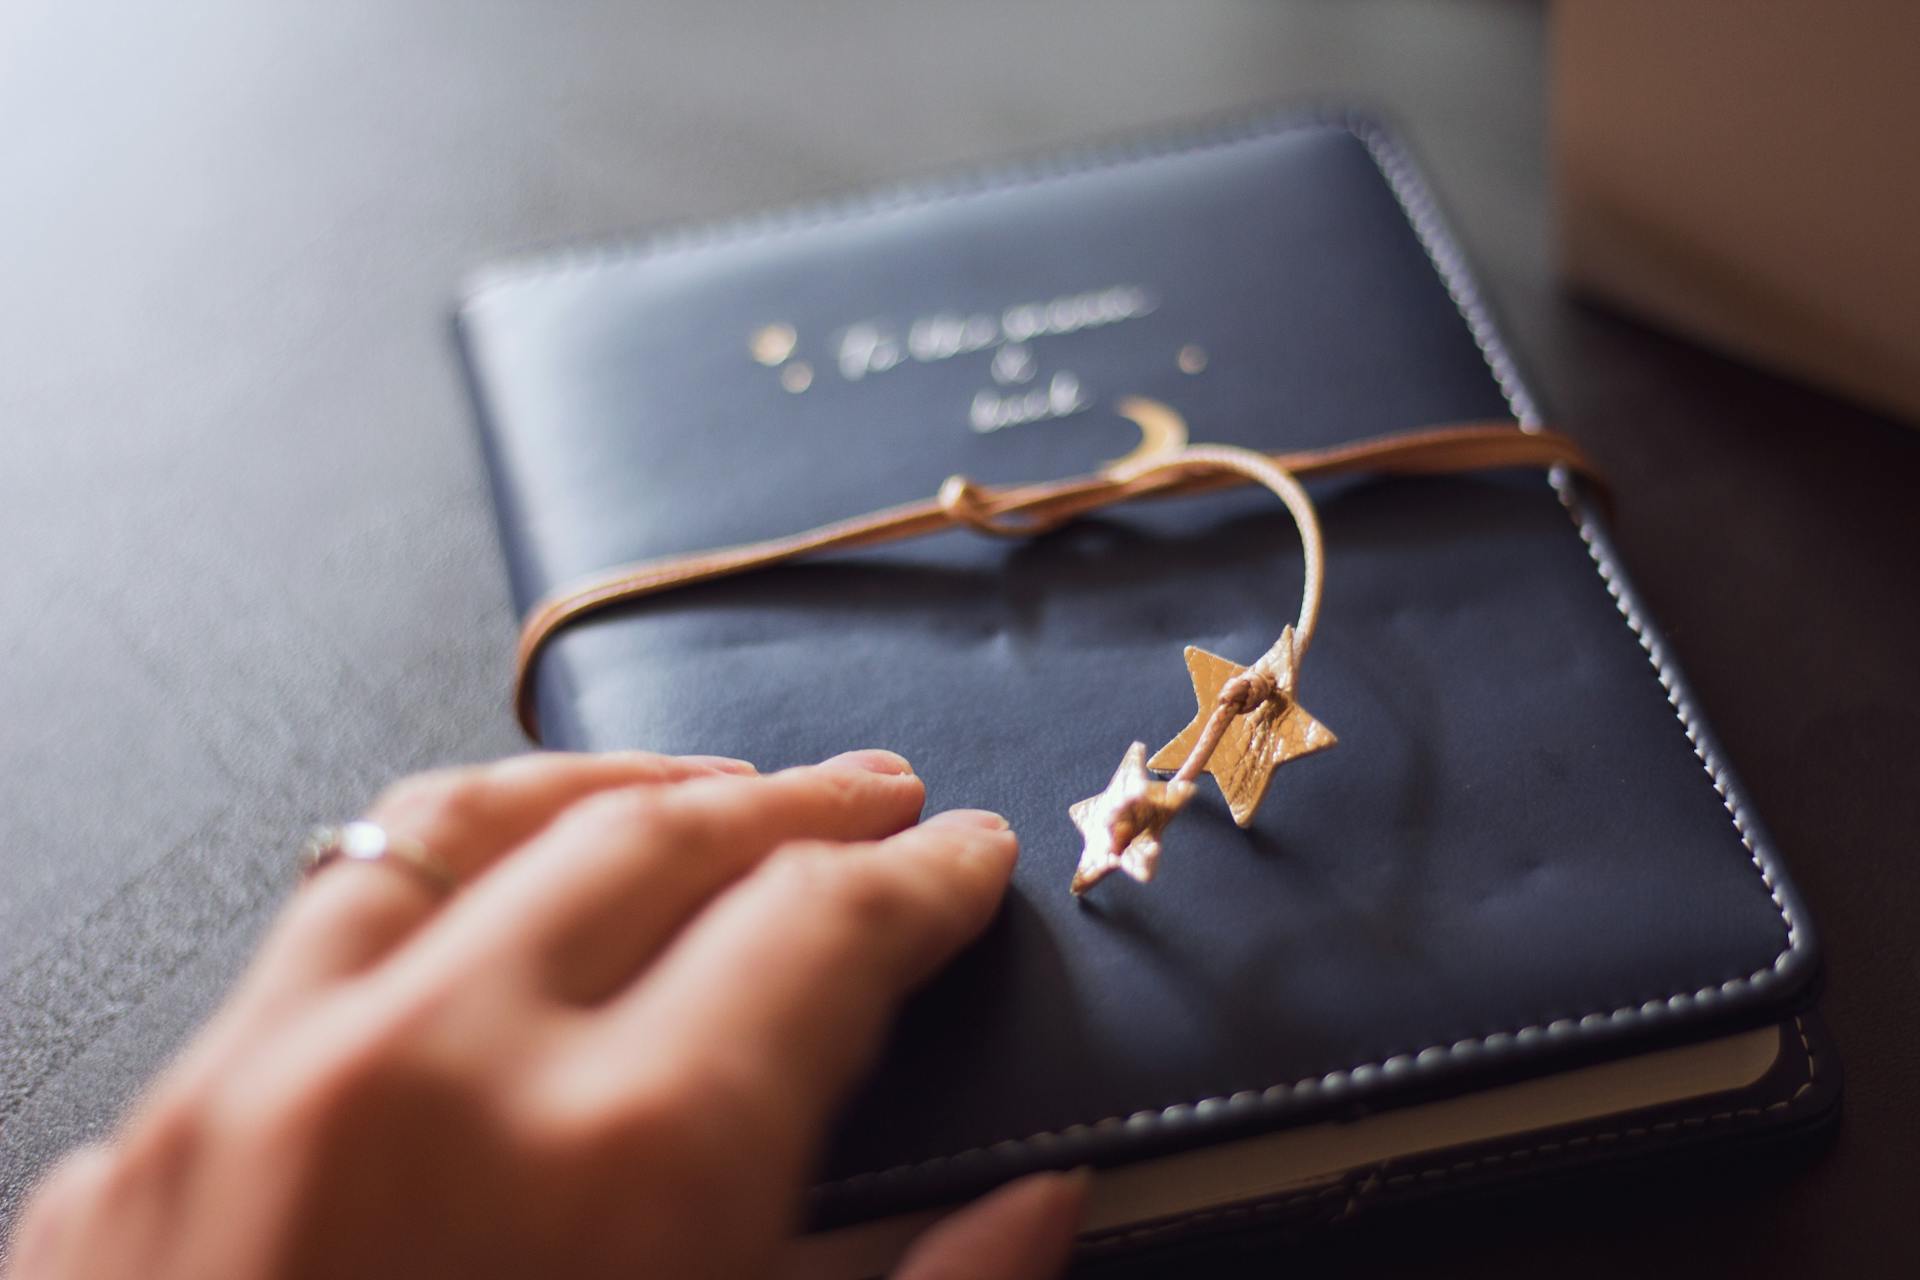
989 843
981 845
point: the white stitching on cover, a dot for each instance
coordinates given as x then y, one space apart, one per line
568 260
1417 202
1414 197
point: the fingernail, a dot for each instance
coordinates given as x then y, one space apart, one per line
992 844
722 764
872 760
985 819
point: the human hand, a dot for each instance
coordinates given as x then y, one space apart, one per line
612 1053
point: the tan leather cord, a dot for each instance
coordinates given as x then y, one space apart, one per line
1026 510
1260 681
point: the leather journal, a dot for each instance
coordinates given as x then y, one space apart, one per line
1524 920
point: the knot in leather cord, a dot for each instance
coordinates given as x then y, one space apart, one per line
962 501
1248 689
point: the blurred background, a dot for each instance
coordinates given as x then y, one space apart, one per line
247 569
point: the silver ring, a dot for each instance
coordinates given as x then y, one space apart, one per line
369 842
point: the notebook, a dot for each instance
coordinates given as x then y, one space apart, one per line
1522 918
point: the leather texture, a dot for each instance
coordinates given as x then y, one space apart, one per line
1524 851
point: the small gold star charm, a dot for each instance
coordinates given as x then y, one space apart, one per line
1255 743
1122 824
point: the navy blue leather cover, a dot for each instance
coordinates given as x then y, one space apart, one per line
1525 849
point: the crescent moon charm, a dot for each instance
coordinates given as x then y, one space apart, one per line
1162 430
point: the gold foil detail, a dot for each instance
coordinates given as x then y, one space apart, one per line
772 344
1162 430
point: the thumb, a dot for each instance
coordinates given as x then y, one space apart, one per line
1023 1231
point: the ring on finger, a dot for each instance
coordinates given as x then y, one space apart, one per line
364 841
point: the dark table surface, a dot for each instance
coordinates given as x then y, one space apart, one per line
247 572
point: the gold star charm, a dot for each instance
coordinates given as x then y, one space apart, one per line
1122 824
1254 743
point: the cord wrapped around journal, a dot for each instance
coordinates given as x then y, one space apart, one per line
1526 869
